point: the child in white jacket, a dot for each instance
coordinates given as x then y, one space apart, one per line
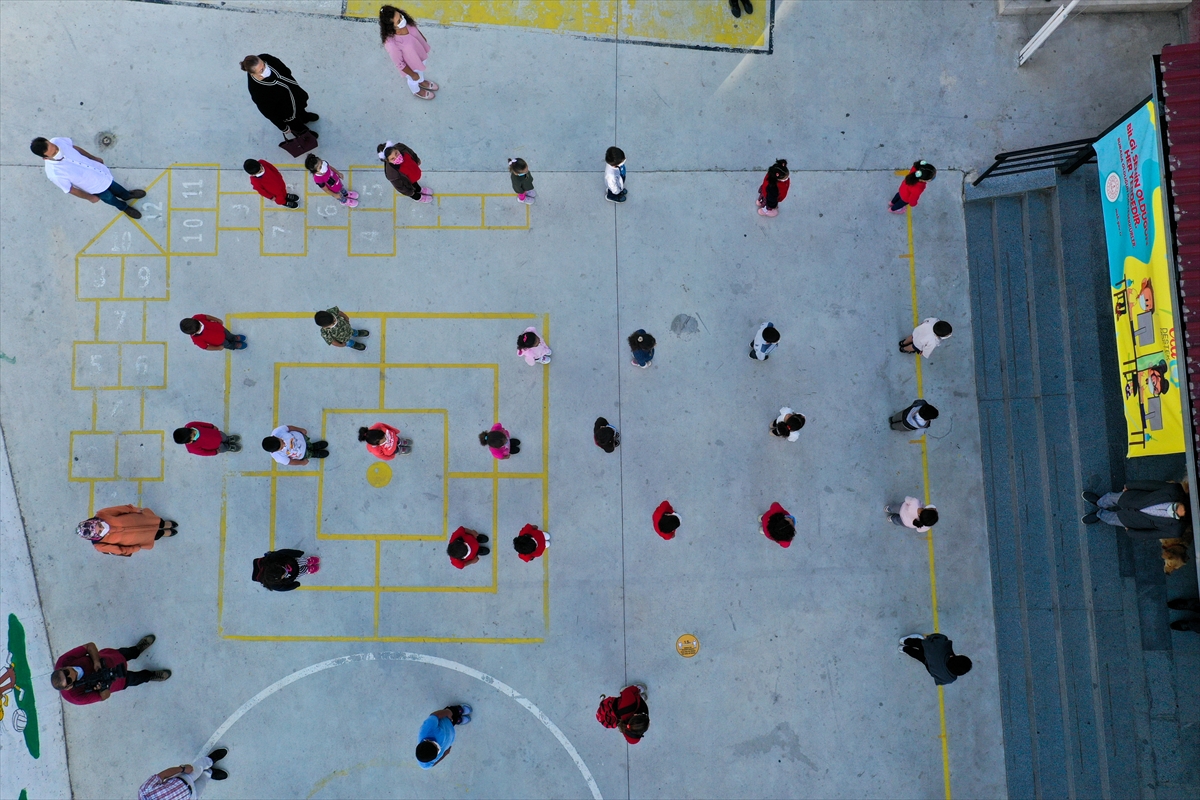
614 175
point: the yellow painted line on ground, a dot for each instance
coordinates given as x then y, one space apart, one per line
498 475
911 255
221 553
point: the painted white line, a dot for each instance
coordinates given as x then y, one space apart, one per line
499 686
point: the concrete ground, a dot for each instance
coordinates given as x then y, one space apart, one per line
797 689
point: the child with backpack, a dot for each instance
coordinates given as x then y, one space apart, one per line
766 339
666 520
278 570
522 181
531 543
384 442
922 172
778 525
627 712
329 179
533 348
614 175
496 440
788 424
911 514
466 546
641 345
774 188
606 437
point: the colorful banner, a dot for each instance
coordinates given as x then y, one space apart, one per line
1135 225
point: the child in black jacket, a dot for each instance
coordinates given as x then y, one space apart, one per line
279 569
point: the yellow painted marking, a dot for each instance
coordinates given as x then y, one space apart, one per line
379 474
703 24
911 255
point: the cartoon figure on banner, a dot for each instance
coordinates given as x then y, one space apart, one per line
10 691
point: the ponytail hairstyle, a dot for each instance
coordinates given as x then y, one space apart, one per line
635 726
387 29
371 435
495 439
921 171
517 166
527 340
778 171
312 163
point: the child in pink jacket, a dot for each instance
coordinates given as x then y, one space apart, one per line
533 348
498 442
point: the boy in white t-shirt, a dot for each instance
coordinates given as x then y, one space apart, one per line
926 337
290 446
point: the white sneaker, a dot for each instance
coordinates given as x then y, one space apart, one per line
908 636
645 693
547 538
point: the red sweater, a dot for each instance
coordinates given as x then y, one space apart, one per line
213 333
472 547
772 511
209 440
663 508
539 537
782 186
79 658
270 184
629 703
911 193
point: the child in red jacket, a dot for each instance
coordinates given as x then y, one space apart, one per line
922 172
774 188
465 547
666 521
778 525
267 181
628 713
206 439
531 543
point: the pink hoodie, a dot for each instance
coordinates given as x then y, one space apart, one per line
408 51
502 452
534 353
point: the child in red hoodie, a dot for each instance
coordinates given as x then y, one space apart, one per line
774 188
531 543
922 172
465 547
267 181
778 525
666 521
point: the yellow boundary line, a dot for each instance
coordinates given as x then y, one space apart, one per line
911 255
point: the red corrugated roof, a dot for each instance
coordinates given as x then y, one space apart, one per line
1180 93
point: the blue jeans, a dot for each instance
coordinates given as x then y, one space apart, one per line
115 195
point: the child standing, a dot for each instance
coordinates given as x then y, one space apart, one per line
384 441
765 340
531 543
788 424
268 182
465 547
208 333
522 181
278 570
641 344
911 514
926 337
498 442
606 437
206 439
922 172
774 188
336 330
614 175
666 520
402 168
627 712
778 525
330 180
533 348
916 417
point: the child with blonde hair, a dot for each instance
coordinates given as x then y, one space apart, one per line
522 180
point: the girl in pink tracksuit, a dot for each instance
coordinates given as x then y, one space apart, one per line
533 348
496 440
329 179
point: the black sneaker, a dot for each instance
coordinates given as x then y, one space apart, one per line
1091 497
359 346
289 204
481 539
1192 624
160 675
483 551
1184 604
735 8
132 212
1090 518
311 117
218 774
144 644
137 194
362 334
219 753
746 5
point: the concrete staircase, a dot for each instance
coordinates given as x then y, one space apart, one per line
1100 697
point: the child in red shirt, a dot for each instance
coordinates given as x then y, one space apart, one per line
464 548
209 334
774 188
666 521
384 441
922 172
531 543
206 439
267 181
628 713
778 525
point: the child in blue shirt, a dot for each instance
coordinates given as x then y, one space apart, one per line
437 734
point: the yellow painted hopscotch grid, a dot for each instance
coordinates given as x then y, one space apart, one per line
911 256
494 475
99 353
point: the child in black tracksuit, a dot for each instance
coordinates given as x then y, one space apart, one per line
279 569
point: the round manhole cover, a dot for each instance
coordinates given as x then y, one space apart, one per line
687 645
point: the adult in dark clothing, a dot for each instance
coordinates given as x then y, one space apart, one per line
936 652
1154 509
277 94
87 675
278 569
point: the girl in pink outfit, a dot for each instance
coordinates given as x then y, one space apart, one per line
408 49
498 442
533 348
330 180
